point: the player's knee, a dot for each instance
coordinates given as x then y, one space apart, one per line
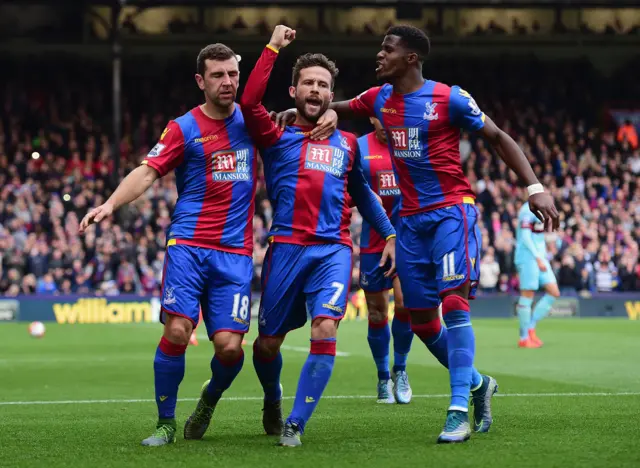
228 345
323 328
455 310
527 293
422 316
267 346
553 291
229 351
178 329
377 307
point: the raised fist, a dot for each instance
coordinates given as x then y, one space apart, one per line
282 36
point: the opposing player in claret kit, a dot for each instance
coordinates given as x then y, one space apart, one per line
438 235
208 262
307 269
376 165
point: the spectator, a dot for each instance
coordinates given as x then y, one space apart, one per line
489 271
46 285
590 170
627 132
605 276
568 276
630 274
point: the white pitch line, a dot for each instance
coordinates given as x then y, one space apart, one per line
297 349
328 397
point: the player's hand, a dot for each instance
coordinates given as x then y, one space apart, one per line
282 119
544 209
389 254
95 216
282 36
541 265
326 125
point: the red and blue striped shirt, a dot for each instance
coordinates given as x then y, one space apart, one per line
378 170
310 183
423 128
214 163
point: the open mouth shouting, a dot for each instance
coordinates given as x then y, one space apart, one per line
313 104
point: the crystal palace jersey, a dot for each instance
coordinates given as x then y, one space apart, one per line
424 138
214 163
378 170
310 183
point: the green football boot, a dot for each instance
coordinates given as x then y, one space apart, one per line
290 436
481 401
165 434
456 428
199 421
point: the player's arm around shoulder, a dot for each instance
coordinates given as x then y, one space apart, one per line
363 105
360 106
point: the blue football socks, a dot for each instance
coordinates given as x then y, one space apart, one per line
314 378
402 338
379 338
168 368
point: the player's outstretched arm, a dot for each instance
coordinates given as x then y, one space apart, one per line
541 202
165 156
259 124
134 185
465 113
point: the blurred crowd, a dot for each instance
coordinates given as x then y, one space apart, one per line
56 162
500 25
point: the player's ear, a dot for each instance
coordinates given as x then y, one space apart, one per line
412 58
200 81
331 96
292 91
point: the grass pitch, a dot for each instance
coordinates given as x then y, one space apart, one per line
83 396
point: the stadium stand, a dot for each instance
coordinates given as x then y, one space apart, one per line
56 163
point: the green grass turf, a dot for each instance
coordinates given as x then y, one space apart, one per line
114 362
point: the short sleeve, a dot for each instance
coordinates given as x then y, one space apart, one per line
363 103
464 111
168 153
527 219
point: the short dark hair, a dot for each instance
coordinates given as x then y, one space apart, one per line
314 60
217 51
413 38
